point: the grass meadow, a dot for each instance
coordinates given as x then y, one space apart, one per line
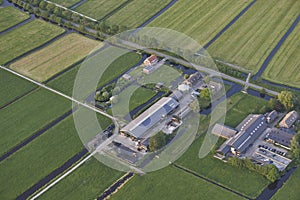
26 38
137 12
201 20
44 63
97 9
29 114
10 16
251 39
285 65
171 183
12 87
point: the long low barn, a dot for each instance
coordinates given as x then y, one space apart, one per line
139 126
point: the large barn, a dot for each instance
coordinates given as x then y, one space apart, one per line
144 122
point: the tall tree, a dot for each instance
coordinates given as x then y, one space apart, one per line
287 99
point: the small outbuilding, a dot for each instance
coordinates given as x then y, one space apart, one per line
289 119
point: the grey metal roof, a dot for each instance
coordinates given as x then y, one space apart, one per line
223 131
280 136
139 126
249 130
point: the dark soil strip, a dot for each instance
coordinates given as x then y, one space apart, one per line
35 135
52 175
39 47
276 48
116 10
158 14
115 186
78 4
18 25
229 25
17 98
212 182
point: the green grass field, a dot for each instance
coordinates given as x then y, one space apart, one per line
137 12
65 82
285 65
28 115
171 183
39 158
290 189
98 8
201 20
26 37
65 3
251 39
12 87
43 64
130 98
10 17
240 180
87 182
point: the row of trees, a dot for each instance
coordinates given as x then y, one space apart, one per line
295 147
56 14
269 171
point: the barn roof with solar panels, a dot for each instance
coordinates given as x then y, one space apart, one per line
139 126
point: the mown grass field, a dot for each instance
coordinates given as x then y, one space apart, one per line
285 65
240 180
87 182
201 20
97 9
65 82
290 189
43 64
25 38
130 98
171 183
65 3
39 158
137 12
10 16
251 39
12 87
26 116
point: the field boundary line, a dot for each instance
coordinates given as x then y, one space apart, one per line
29 19
117 9
42 183
36 134
209 180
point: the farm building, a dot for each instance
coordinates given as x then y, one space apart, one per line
194 79
144 122
279 137
272 116
152 60
289 119
223 131
248 131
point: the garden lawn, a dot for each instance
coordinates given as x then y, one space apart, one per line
290 189
26 38
201 20
285 65
10 16
240 180
130 98
87 182
137 12
171 183
97 9
44 63
12 87
65 82
66 3
29 114
251 39
39 158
